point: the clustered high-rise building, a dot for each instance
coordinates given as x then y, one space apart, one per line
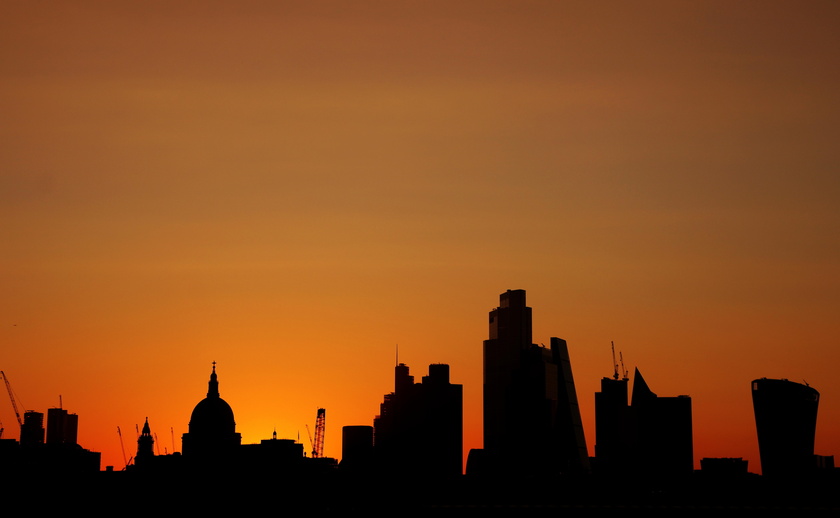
532 422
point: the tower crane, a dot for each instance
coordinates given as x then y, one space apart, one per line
122 447
615 364
318 443
320 423
309 432
12 397
623 369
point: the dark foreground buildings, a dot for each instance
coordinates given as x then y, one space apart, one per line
50 450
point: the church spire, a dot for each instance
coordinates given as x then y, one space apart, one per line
145 445
213 389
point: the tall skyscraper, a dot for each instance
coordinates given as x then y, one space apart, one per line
419 429
786 424
532 422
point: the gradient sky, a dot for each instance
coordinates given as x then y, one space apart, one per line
296 189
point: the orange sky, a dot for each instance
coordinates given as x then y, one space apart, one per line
293 189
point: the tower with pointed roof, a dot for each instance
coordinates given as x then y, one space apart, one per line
145 446
212 436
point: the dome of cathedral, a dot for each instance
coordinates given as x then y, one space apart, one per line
212 415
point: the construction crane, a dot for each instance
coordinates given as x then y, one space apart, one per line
311 443
320 423
12 397
621 360
318 444
122 447
615 364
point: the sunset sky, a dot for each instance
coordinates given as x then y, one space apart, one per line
296 190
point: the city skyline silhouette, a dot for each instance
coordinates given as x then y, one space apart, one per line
295 191
412 450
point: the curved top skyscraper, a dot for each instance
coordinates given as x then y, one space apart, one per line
786 423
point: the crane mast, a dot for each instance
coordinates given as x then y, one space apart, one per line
615 365
318 447
12 397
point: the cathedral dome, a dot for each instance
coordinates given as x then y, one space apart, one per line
212 415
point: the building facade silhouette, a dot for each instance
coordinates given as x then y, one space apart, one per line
32 432
419 429
786 425
614 427
532 423
62 426
212 439
59 454
651 436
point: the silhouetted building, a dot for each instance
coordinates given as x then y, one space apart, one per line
786 424
277 457
652 436
614 427
145 445
59 455
32 432
62 426
665 442
419 429
212 438
532 423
